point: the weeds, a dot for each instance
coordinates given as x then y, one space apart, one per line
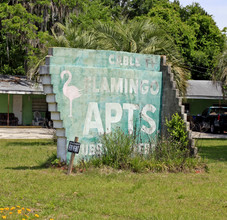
166 157
121 151
53 161
117 149
167 149
170 153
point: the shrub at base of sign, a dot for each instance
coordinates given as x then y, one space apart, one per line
177 131
170 154
117 150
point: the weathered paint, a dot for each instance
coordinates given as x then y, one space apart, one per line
97 91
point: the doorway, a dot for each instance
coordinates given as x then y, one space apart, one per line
17 107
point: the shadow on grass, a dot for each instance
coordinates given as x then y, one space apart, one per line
26 168
44 165
214 152
29 143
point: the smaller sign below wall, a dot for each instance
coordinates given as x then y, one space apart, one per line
74 147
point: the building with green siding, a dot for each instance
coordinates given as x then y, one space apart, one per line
202 94
21 97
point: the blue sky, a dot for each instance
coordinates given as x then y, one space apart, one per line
216 8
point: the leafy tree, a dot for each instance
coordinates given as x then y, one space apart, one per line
26 27
209 43
18 38
168 17
51 11
194 32
131 8
141 7
90 12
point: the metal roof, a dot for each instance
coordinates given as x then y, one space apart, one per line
19 85
204 89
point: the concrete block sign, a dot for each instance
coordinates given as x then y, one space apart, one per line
91 92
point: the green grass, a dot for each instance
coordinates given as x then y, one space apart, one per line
110 194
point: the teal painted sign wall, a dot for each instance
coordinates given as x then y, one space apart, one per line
97 91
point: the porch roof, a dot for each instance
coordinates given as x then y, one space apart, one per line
204 89
19 85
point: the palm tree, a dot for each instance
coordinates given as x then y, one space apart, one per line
220 72
132 36
136 36
67 35
142 36
71 35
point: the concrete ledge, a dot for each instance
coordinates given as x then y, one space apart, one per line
61 148
48 89
172 103
52 107
58 124
47 60
50 98
55 116
44 70
60 132
200 135
46 80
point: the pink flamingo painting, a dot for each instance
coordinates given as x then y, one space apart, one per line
71 92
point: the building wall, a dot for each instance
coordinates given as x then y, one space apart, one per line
27 114
196 106
27 110
172 103
4 103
